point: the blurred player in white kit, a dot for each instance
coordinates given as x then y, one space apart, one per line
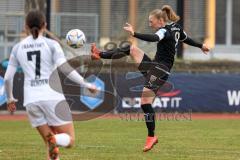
38 56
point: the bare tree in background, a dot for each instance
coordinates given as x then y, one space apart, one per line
35 4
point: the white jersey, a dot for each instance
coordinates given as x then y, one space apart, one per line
37 58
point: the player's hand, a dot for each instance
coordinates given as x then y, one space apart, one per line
11 105
129 28
93 89
205 49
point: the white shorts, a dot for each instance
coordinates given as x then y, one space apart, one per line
53 113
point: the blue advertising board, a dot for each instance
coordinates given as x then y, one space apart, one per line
197 92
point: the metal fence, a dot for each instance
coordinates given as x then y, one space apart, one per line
61 23
90 16
12 27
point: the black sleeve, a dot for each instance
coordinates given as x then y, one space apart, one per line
183 35
147 37
191 42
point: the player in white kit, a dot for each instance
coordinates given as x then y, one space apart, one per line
39 56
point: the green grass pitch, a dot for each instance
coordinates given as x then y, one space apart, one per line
115 139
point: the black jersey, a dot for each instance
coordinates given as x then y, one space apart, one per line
166 47
167 38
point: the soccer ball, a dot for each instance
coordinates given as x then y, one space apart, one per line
75 38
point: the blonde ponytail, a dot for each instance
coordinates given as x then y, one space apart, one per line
172 16
158 13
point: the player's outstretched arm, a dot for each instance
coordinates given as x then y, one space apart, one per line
144 37
73 75
67 70
193 43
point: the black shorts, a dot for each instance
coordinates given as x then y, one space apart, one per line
156 74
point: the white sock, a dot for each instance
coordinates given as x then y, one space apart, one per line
62 139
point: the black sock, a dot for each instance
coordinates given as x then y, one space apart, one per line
149 115
116 53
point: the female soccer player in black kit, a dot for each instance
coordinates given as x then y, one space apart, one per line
156 71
